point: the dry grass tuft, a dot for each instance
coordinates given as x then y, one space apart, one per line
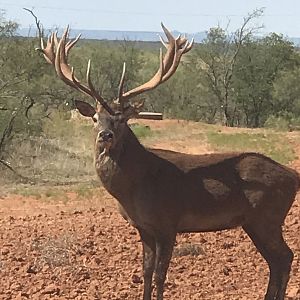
54 251
188 249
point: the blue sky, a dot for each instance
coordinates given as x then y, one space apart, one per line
185 16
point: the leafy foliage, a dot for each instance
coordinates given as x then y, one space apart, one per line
233 79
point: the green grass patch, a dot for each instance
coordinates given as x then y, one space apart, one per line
40 192
63 156
28 192
274 145
141 131
54 193
84 191
49 193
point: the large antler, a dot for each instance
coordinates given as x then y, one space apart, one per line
56 53
168 65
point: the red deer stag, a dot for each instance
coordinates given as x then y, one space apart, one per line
163 193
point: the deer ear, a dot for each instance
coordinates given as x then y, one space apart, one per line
85 108
138 105
133 109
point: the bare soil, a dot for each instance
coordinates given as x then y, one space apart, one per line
70 248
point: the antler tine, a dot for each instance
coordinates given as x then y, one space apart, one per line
167 32
182 46
55 39
121 87
149 85
168 65
190 46
93 91
48 51
181 40
170 46
163 41
62 68
64 43
42 45
70 44
178 54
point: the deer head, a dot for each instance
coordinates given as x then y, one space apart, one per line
111 119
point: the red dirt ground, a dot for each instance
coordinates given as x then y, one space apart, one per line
83 249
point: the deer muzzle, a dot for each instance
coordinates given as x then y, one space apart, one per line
105 136
104 141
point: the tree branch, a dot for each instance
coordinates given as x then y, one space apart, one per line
23 178
7 131
37 22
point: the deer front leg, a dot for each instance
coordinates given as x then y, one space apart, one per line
149 248
164 249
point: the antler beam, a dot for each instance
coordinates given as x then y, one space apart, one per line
168 65
56 53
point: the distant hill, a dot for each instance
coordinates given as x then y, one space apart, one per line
111 35
143 36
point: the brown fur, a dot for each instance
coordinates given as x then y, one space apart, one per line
163 192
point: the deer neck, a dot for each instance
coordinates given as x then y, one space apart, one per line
121 169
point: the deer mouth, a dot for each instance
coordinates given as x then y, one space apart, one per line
104 146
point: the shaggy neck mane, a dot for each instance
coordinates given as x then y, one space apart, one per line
123 168
127 148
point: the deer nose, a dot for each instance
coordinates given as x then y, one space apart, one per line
105 135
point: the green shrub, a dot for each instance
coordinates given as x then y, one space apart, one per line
284 123
141 131
278 123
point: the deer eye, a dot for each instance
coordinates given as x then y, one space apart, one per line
95 118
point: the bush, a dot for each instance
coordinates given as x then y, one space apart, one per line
285 122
